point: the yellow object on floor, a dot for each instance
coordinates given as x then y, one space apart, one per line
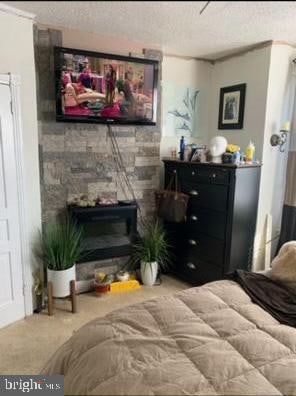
126 286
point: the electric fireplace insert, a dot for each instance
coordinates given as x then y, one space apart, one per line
108 230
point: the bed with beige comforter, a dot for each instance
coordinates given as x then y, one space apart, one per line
209 340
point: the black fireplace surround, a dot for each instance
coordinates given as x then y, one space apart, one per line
108 230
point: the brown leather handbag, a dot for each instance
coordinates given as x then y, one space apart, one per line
172 204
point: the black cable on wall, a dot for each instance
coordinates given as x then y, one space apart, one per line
122 171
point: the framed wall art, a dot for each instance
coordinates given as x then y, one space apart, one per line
231 107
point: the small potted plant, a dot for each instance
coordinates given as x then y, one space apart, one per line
61 248
38 289
153 253
102 283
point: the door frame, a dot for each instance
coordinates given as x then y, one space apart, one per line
14 82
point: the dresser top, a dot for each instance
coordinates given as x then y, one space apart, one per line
212 164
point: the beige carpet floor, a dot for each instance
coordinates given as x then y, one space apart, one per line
26 345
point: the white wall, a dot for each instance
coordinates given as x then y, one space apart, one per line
269 98
17 57
251 68
186 73
279 104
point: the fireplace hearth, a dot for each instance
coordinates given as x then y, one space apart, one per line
108 230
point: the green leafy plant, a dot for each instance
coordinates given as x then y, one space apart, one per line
153 246
61 245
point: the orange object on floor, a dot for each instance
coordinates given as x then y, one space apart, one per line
101 288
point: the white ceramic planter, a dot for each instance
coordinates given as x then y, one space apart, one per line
149 273
61 281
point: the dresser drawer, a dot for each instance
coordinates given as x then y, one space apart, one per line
204 175
204 247
209 196
195 174
197 271
207 221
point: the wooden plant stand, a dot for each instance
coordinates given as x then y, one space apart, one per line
51 298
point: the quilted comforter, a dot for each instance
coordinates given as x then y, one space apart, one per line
209 340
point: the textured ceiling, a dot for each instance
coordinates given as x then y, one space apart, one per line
176 27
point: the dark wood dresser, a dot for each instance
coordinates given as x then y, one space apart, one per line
218 234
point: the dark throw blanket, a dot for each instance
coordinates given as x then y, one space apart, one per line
275 298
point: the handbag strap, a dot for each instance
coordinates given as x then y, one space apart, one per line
169 186
176 182
177 187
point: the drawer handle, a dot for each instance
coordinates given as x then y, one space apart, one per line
193 173
193 192
191 265
194 218
214 175
192 242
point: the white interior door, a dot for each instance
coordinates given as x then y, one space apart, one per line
11 275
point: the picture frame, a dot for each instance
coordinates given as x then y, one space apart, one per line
232 107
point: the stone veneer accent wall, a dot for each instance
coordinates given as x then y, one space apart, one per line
77 159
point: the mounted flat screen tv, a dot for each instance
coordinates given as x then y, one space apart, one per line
105 88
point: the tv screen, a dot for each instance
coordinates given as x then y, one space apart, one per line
105 88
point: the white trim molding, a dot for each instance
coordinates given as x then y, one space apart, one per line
15 83
5 79
15 11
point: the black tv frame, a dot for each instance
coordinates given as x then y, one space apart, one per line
60 117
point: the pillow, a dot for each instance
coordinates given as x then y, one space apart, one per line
283 266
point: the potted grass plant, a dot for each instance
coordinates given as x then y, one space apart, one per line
61 248
153 253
